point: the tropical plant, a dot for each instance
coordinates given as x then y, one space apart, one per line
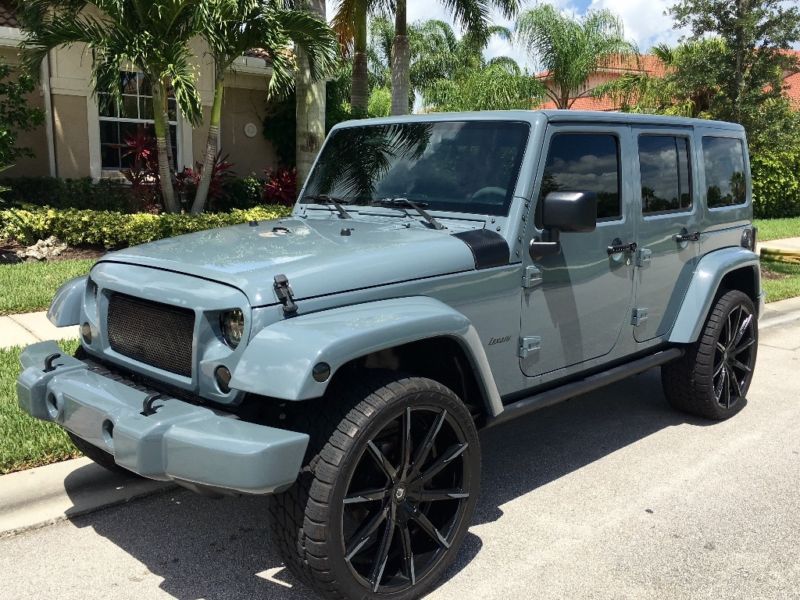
688 86
755 36
569 49
152 36
472 15
280 186
350 25
231 27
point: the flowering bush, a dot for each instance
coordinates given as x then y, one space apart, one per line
281 186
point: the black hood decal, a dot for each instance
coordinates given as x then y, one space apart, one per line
489 249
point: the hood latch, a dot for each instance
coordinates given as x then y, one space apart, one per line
285 295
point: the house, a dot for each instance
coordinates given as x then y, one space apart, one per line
645 63
79 139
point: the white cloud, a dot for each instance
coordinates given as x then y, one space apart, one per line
645 20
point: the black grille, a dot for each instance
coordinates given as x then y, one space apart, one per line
153 333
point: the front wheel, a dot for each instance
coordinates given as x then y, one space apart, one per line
711 380
383 507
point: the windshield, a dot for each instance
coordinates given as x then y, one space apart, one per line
460 166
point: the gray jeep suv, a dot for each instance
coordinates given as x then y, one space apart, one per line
439 274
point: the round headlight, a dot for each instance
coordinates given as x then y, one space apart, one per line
232 324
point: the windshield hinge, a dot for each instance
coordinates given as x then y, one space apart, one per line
529 346
285 295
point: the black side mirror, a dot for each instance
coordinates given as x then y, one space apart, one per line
570 211
564 211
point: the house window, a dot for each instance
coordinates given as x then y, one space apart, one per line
121 123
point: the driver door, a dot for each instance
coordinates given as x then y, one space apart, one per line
576 302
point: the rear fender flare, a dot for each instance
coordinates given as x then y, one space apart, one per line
278 361
699 298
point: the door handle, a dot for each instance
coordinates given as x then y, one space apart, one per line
617 246
685 236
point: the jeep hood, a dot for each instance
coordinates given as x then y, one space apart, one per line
313 253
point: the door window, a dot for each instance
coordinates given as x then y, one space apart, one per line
585 162
665 174
724 167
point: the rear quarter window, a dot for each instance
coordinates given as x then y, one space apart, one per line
726 184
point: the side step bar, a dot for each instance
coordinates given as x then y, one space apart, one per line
582 386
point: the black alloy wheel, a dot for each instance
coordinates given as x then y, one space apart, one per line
734 358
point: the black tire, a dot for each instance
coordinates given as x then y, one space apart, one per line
712 378
101 457
320 524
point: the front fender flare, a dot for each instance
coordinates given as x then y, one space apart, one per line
65 309
708 275
279 360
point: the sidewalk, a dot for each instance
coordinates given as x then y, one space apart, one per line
29 328
785 250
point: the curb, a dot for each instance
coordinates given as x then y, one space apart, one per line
45 495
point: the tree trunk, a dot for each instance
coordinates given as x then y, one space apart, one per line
160 124
359 95
212 148
401 61
309 108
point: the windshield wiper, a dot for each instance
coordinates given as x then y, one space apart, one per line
335 202
406 203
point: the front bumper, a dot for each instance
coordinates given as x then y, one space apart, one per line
181 442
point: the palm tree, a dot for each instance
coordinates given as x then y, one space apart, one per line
350 24
569 49
472 15
152 35
230 28
688 86
310 105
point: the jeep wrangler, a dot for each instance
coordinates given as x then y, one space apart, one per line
438 274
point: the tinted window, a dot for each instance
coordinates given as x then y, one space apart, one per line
585 163
664 167
724 167
462 166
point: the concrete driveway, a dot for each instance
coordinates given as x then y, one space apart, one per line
611 495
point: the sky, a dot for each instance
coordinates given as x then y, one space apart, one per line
644 20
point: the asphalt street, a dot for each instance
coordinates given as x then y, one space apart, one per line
611 495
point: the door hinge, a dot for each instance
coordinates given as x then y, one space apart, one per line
532 277
529 346
639 316
643 257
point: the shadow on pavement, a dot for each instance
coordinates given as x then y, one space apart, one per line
220 549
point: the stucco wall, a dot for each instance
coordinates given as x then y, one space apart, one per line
243 105
70 128
35 139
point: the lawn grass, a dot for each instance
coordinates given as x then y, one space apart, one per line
26 442
780 280
30 286
775 229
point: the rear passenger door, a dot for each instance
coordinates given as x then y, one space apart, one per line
667 231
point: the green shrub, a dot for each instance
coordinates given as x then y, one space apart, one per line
68 193
118 230
776 182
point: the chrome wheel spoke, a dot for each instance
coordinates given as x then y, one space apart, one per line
727 389
440 463
427 445
719 368
382 461
720 387
740 365
368 496
743 346
365 532
743 327
405 452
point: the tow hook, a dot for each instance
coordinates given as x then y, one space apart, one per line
147 406
48 362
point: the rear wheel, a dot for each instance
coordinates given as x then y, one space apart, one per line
383 507
712 379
